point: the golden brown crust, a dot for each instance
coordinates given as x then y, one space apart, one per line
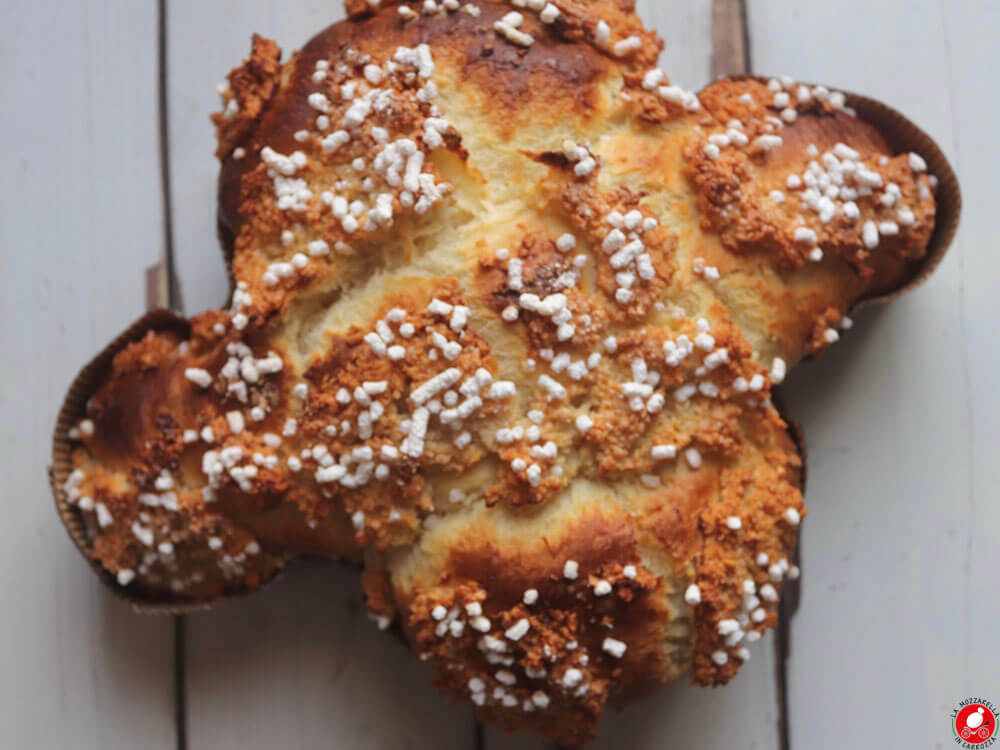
508 312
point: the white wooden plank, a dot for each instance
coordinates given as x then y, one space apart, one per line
81 205
299 664
686 29
897 618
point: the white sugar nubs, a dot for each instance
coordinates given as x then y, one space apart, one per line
778 370
869 235
163 482
413 444
627 46
602 34
614 647
282 164
318 247
358 520
768 593
843 151
319 102
480 623
540 699
514 270
565 243
727 627
734 523
917 163
721 658
549 13
571 677
804 234
104 518
602 588
518 630
693 457
506 677
125 576
677 95
614 241
685 392
665 451
571 570
143 534
831 336
235 421
692 595
335 140
198 376
556 390
502 389
768 141
530 596
326 474
437 307
584 423
793 517
513 34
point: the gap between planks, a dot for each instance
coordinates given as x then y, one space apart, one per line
163 291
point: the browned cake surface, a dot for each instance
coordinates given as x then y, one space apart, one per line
509 310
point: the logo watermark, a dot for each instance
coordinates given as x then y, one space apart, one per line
974 723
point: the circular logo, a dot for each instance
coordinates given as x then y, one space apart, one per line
974 723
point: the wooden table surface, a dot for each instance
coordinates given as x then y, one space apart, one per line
104 119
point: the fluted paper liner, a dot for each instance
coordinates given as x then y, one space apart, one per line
904 136
899 132
73 410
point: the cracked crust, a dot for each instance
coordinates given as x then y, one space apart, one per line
508 342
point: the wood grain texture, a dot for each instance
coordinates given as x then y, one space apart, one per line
686 29
730 53
899 609
82 219
300 666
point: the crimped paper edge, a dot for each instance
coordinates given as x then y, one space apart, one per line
73 409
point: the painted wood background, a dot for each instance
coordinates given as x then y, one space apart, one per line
105 123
